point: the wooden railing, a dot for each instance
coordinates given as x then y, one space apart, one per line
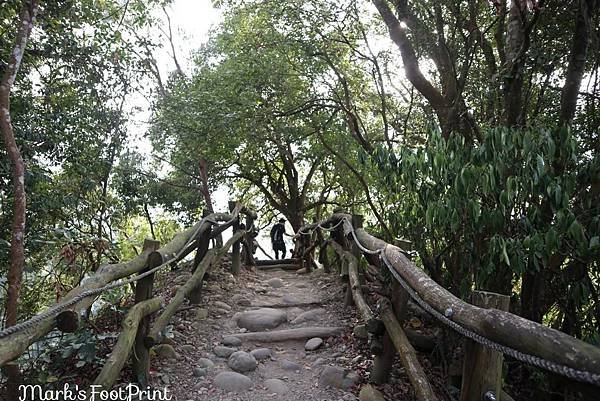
139 333
491 331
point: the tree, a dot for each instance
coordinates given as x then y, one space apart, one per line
17 254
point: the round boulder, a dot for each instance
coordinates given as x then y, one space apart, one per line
260 319
261 353
242 361
232 381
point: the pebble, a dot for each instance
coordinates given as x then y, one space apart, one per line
313 344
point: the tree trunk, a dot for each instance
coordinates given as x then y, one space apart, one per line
577 59
205 190
17 252
149 218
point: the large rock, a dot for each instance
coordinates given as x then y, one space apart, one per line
276 282
231 341
232 381
242 361
276 386
335 376
165 351
261 353
313 344
223 352
311 315
370 393
260 319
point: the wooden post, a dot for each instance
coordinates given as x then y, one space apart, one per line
202 245
117 358
67 321
382 364
307 260
357 222
249 239
235 250
143 292
482 369
406 353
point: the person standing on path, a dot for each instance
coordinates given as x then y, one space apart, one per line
277 233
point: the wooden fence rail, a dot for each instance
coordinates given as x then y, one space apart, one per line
181 245
492 322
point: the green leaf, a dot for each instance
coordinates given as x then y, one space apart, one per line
504 253
540 165
576 231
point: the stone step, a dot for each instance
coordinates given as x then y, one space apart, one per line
283 266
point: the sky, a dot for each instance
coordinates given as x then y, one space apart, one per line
191 21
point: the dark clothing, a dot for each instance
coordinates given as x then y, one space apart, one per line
277 239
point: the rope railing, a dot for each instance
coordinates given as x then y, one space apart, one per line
42 323
590 354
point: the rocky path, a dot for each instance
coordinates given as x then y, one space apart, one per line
204 360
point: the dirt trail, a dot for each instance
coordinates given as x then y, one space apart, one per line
298 371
